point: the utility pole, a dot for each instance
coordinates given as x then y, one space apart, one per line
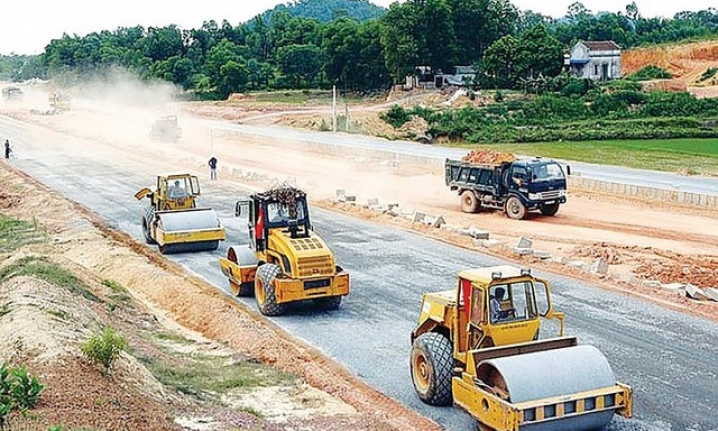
334 108
346 116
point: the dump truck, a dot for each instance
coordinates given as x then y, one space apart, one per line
477 346
285 261
513 187
12 93
172 219
165 129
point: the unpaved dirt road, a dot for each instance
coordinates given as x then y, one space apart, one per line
668 357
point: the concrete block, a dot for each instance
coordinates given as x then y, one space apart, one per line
341 193
392 207
419 216
438 221
378 208
372 202
464 232
652 283
578 264
448 227
674 287
542 254
490 243
477 233
350 199
523 251
525 243
599 266
695 292
712 293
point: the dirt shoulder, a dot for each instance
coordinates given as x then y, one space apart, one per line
196 358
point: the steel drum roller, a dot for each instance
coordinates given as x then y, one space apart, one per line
189 220
552 373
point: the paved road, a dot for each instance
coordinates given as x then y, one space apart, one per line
616 174
669 358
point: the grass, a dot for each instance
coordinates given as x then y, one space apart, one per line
52 273
208 374
695 156
17 233
119 294
174 338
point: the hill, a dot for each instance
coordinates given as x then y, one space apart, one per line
329 10
690 63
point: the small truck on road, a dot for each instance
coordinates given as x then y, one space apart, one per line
513 187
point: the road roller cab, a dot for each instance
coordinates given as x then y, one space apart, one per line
478 346
286 261
172 219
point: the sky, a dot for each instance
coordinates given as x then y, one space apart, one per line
27 26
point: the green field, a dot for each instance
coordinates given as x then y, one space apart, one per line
687 156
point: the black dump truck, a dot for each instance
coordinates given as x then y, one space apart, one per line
515 187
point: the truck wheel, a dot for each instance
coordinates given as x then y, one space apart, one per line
515 209
469 202
549 210
146 232
329 302
264 290
244 289
432 365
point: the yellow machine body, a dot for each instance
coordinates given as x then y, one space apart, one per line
172 219
298 263
497 357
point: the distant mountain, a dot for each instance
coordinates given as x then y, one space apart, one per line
329 10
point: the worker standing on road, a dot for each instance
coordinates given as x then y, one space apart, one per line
8 150
213 168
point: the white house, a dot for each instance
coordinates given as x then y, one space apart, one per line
596 60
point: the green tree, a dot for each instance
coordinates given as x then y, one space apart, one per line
300 64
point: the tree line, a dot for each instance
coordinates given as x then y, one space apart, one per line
278 50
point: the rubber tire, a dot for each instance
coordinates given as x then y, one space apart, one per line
328 302
244 289
436 353
549 210
264 290
469 202
146 232
515 209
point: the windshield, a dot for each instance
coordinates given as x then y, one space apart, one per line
181 187
547 171
512 302
280 214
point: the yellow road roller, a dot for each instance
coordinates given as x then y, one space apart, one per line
477 346
286 261
172 219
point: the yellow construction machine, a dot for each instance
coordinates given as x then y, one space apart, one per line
172 219
478 346
286 261
61 102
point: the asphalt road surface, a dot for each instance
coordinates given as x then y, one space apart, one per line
615 174
669 358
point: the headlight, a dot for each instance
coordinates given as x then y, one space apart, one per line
534 196
562 193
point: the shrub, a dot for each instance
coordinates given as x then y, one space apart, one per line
104 348
708 74
649 72
19 390
396 116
